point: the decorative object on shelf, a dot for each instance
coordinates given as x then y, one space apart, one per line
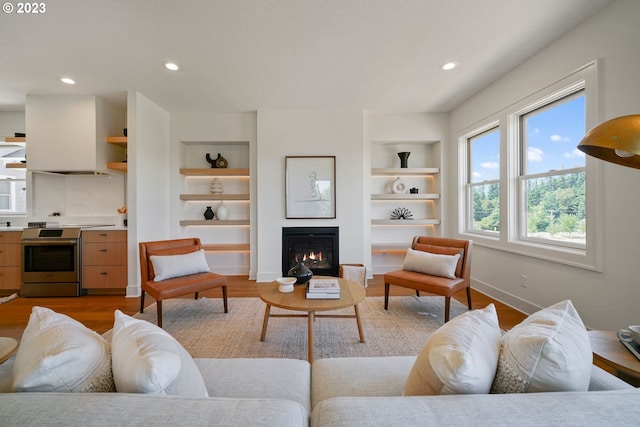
218 162
398 186
301 273
401 213
124 131
222 212
616 141
216 186
404 157
413 190
208 213
310 187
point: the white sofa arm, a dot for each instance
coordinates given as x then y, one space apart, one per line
602 380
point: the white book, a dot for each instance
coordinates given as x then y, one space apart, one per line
321 295
324 286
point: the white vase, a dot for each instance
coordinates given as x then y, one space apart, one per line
222 212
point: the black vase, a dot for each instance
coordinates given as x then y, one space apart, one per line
301 273
208 213
404 157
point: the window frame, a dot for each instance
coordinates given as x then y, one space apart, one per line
512 216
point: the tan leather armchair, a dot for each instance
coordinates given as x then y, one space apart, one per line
435 284
177 286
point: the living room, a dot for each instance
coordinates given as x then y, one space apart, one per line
606 296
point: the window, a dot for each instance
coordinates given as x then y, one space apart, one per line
483 183
552 175
13 194
528 189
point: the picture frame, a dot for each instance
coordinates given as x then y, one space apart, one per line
310 187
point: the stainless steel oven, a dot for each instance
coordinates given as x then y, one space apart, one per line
51 262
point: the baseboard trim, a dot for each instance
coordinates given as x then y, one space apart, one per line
506 298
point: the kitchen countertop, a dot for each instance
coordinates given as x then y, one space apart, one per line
82 227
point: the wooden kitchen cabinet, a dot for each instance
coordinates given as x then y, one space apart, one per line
104 259
10 259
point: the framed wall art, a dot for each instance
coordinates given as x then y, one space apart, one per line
310 187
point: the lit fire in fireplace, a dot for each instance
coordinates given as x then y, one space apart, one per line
313 259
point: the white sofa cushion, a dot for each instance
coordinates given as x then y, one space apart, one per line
170 266
433 264
459 358
58 353
549 351
146 359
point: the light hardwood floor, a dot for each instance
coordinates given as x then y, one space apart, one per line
96 311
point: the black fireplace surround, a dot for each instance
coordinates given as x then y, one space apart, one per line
315 247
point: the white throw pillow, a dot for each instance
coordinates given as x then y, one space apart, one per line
459 358
169 266
146 359
433 264
58 353
549 351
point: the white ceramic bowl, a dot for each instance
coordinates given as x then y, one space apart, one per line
286 283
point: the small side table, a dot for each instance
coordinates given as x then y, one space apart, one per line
7 346
608 350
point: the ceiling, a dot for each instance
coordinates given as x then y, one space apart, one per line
246 55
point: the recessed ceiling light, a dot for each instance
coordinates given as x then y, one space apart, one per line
171 66
67 80
449 66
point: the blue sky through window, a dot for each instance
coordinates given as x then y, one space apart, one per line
552 135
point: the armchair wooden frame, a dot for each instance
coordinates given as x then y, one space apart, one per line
176 286
435 285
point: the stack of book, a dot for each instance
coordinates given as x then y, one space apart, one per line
323 289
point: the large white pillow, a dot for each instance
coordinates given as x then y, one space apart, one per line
459 358
169 266
433 264
146 359
549 351
58 353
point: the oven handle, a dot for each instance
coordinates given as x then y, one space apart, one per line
40 242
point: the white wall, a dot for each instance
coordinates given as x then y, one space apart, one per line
607 299
309 133
11 122
148 179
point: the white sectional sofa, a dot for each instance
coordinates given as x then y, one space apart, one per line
66 375
332 392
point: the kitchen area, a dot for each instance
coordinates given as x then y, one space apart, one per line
62 209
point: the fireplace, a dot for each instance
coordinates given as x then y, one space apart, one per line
315 247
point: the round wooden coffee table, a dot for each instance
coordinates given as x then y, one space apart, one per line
351 293
608 350
7 346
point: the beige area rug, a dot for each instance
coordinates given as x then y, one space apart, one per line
205 330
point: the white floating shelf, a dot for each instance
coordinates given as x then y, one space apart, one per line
406 196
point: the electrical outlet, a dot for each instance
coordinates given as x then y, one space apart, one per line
524 281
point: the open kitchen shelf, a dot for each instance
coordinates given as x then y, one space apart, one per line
215 172
120 141
213 222
16 166
213 196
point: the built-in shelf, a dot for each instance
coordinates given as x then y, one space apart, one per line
213 196
214 222
406 196
215 172
404 171
119 166
229 247
120 141
16 165
15 139
389 247
405 222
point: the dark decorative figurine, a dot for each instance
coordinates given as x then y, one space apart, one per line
301 273
404 157
219 162
208 213
401 213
